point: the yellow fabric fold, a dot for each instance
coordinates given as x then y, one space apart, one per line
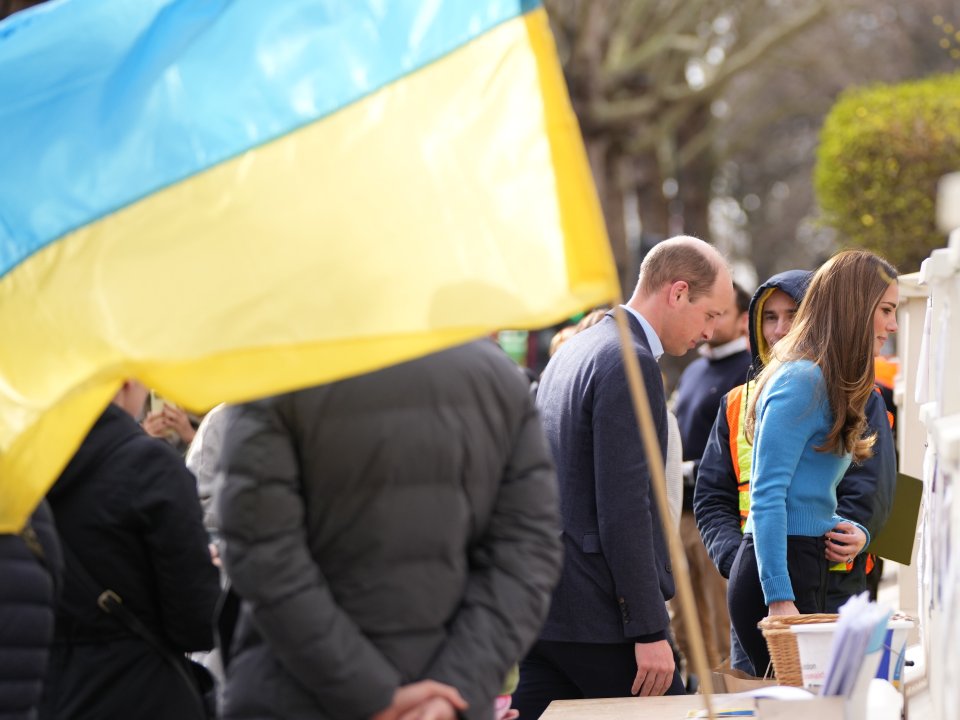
438 209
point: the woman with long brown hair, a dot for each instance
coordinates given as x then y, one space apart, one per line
806 421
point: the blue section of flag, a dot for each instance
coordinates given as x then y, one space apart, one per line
107 102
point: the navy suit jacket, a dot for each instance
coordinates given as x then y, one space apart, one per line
616 571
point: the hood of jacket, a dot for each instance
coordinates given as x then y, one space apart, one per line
112 428
794 283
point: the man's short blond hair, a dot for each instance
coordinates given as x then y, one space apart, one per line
680 258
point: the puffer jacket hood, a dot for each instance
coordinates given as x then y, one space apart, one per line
113 428
794 283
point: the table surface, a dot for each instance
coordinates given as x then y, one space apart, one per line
668 707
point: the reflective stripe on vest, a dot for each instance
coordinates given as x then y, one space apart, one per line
740 450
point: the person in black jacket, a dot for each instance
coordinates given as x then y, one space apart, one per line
721 497
30 567
723 365
129 519
393 537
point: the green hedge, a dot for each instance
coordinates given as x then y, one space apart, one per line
882 150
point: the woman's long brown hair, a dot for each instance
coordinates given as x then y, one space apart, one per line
834 329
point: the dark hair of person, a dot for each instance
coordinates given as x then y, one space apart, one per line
743 299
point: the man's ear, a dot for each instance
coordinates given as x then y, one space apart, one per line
677 290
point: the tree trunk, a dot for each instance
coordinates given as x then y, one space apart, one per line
695 176
604 164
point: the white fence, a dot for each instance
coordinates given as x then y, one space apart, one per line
928 396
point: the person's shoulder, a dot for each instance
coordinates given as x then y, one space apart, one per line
149 457
487 354
735 393
876 410
740 360
798 383
609 350
596 346
472 372
875 401
798 371
695 367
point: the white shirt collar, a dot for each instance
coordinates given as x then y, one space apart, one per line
656 347
719 352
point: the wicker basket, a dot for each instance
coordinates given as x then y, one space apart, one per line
782 643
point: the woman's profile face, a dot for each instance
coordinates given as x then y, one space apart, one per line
885 317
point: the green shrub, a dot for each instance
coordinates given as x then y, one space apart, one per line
882 150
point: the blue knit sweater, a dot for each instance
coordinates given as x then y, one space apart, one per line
793 491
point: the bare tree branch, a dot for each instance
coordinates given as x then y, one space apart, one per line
657 42
755 51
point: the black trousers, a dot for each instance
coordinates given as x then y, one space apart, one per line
574 671
807 567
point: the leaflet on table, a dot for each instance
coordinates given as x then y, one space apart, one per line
860 632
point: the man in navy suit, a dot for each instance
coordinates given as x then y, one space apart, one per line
606 633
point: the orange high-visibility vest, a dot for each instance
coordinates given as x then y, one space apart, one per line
885 370
740 449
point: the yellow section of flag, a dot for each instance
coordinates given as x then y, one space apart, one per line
444 206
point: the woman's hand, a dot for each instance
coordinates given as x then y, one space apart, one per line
178 421
782 607
155 424
844 543
171 419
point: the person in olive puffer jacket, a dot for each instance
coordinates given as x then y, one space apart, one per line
393 537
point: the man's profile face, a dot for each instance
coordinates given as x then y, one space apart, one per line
693 322
776 317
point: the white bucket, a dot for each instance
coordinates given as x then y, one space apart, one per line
815 640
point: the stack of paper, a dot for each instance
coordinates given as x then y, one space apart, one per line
858 640
744 705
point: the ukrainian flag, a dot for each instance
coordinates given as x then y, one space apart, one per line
233 199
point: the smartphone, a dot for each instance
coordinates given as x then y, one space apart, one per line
157 402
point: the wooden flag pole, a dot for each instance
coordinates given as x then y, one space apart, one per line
681 573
